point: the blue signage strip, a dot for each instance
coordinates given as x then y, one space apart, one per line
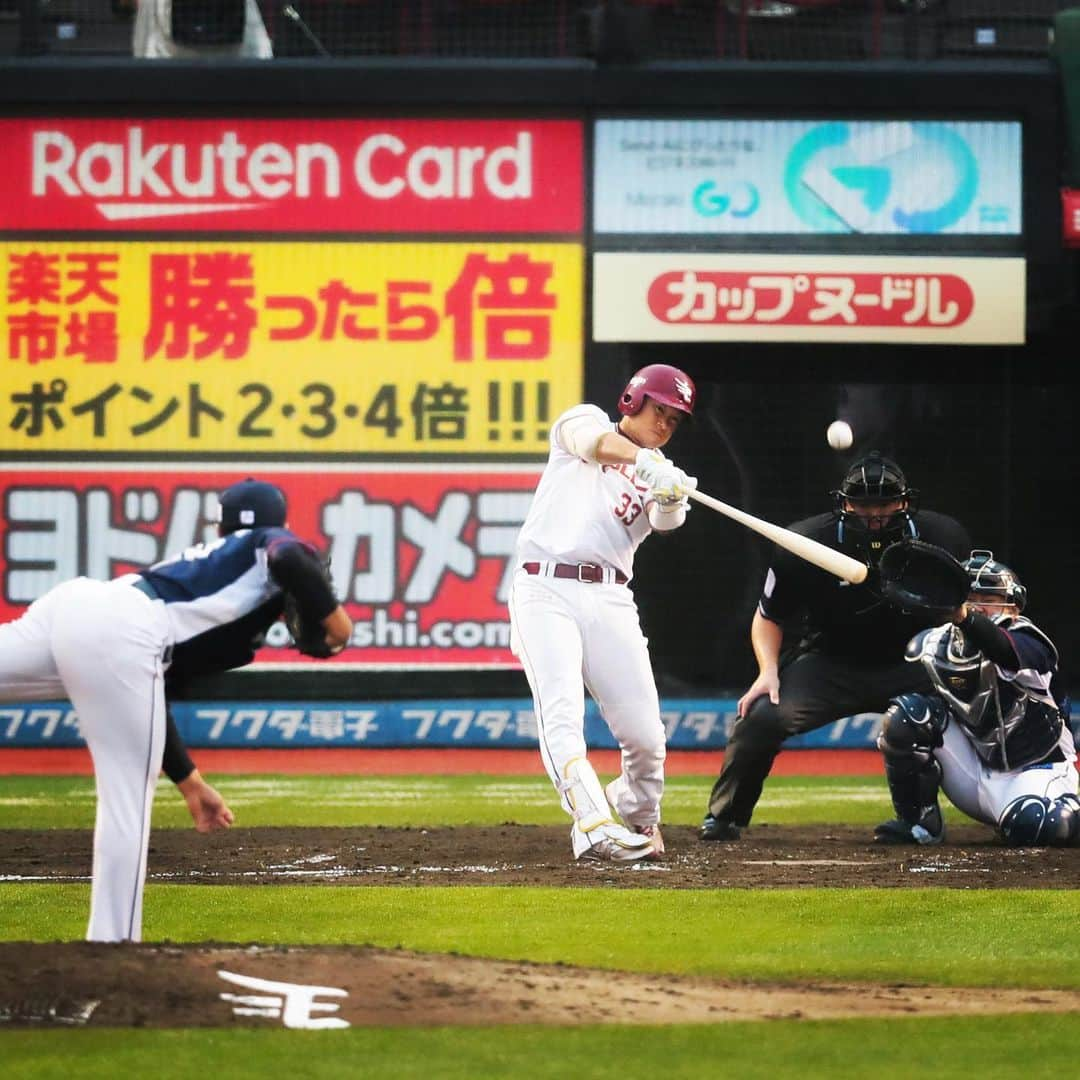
691 724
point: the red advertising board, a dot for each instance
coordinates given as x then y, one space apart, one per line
1070 217
295 175
421 556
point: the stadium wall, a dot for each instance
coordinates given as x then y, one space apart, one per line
983 429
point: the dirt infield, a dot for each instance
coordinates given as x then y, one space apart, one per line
218 986
75 984
766 857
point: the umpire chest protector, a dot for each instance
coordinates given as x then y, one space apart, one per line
1008 726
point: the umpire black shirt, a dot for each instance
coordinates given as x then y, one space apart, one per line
826 614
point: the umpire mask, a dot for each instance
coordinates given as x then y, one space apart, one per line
874 505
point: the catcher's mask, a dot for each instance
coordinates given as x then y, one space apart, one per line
250 504
872 480
993 579
662 383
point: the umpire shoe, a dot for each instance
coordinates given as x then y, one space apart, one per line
928 832
713 828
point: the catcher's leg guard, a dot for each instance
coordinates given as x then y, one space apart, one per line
910 732
1034 820
595 831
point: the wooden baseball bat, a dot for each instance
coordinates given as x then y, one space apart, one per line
835 562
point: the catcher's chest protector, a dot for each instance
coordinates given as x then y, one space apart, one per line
1008 727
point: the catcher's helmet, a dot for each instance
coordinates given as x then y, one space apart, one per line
250 504
992 578
662 383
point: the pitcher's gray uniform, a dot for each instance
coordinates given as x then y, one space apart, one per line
605 488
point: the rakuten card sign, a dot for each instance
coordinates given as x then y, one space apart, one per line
294 175
911 300
421 557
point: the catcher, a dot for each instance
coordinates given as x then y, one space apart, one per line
115 648
993 734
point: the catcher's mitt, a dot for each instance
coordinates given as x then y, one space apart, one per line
922 579
308 634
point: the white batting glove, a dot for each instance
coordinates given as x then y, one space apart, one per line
647 465
672 484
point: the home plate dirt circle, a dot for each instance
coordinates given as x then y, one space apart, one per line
766 857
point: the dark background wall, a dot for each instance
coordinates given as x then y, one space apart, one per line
986 433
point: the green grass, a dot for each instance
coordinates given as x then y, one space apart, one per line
948 937
938 936
997 1047
39 802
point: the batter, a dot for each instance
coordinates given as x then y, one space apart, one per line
574 623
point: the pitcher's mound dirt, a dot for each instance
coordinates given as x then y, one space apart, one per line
171 986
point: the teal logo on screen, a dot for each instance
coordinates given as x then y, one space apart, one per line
710 200
894 177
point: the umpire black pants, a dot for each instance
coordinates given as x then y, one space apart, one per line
815 690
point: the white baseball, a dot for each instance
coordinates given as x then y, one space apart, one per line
839 435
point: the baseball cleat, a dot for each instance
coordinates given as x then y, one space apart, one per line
717 829
611 842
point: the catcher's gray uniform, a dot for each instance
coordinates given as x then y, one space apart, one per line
993 735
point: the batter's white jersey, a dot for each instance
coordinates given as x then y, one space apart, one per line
583 512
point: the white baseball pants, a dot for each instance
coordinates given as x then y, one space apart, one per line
982 793
101 645
570 635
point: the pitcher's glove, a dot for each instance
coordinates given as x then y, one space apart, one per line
922 579
308 634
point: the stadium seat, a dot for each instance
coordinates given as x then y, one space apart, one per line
498 28
998 28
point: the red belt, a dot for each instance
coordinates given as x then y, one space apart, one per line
589 573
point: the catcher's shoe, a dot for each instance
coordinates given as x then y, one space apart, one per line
927 833
717 829
609 841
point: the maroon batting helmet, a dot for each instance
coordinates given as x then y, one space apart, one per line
662 383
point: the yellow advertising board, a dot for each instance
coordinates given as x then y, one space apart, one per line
241 347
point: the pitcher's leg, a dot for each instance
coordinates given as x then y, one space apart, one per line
27 669
108 652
